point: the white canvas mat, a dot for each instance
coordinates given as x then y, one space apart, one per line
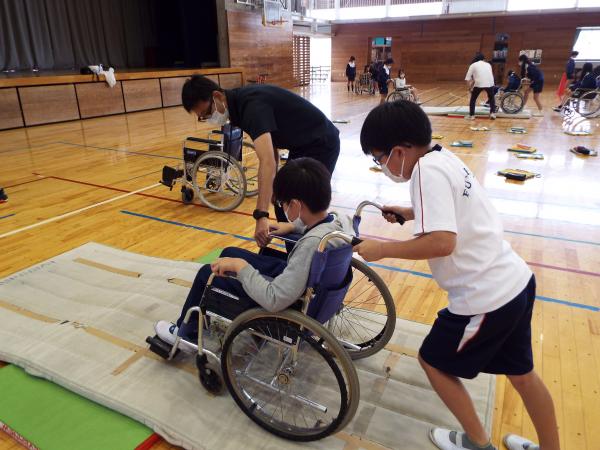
479 111
80 320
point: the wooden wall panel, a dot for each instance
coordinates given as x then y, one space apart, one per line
47 104
441 50
10 111
230 80
99 99
141 94
171 90
259 49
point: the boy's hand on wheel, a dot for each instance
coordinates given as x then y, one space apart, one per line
370 250
261 232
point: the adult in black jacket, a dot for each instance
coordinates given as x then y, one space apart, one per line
274 118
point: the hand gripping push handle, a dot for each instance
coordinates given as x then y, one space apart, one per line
399 217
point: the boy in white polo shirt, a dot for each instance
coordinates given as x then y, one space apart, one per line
491 291
480 78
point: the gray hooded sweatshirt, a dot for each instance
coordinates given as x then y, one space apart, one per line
282 291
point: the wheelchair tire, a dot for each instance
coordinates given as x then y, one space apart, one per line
588 104
362 306
394 96
512 103
209 375
187 195
219 181
259 343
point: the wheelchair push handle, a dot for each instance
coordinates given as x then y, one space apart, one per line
399 217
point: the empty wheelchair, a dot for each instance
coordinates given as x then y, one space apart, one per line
285 370
585 102
219 172
364 84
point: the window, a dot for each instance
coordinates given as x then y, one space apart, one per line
586 43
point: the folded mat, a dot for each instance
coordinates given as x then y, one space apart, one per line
52 418
479 111
80 320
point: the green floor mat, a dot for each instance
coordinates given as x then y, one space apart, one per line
51 417
210 257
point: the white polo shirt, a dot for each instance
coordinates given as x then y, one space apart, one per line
481 72
483 272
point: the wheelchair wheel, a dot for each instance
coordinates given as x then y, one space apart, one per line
289 375
219 181
209 375
367 318
512 103
187 195
250 166
394 96
588 104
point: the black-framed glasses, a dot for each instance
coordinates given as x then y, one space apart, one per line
209 110
377 159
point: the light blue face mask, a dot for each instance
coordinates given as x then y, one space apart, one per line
298 224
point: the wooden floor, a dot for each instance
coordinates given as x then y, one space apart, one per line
88 170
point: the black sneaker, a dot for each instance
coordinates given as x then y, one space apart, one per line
3 195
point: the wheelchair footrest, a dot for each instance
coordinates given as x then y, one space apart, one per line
170 175
160 347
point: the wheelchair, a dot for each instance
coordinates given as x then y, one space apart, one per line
289 371
510 102
220 172
585 102
364 85
403 93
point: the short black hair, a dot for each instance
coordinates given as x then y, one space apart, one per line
352 58
389 61
574 53
395 123
478 57
596 71
524 58
197 89
303 179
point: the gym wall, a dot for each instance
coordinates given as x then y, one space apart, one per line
259 49
442 49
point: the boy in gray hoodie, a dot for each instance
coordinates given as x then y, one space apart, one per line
303 189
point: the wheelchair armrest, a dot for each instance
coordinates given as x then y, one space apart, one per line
203 141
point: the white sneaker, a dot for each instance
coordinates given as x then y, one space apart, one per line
167 331
453 440
493 116
514 442
469 117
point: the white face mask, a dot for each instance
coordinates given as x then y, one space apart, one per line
395 178
298 223
217 118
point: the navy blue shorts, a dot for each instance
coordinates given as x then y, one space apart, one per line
497 342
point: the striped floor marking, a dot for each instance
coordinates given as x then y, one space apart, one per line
381 266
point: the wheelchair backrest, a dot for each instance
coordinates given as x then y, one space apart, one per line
330 277
232 141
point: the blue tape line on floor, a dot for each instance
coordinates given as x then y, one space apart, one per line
9 215
381 266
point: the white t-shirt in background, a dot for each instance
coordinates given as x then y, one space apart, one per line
481 72
483 272
400 82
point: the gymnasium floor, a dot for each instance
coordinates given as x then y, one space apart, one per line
95 180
